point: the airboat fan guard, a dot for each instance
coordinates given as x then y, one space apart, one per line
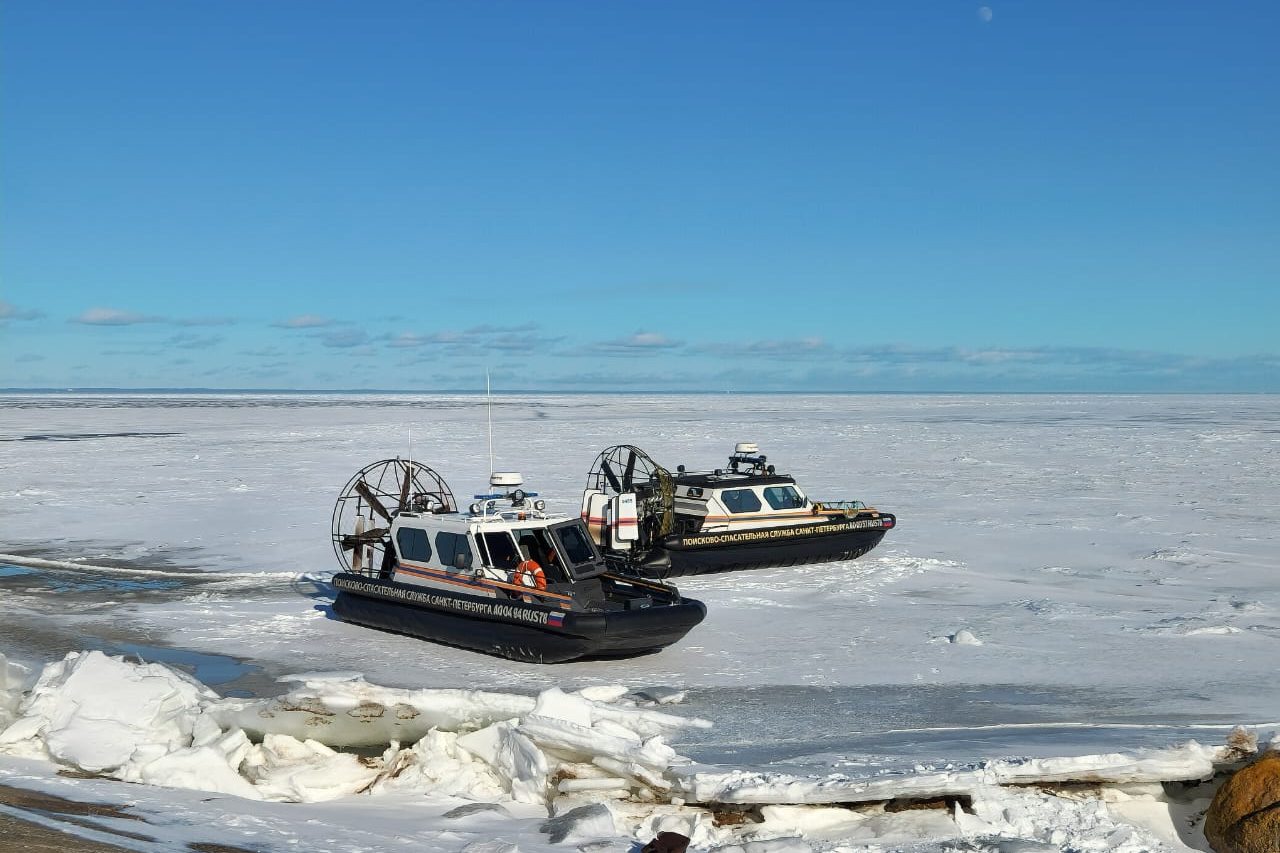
372 498
626 468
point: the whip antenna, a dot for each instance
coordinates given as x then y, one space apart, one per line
488 401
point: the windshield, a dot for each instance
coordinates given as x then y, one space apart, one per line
576 545
583 559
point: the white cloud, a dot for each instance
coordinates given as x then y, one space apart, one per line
205 321
344 338
521 342
114 317
410 340
774 350
270 351
9 311
477 339
650 339
639 343
187 340
487 329
304 321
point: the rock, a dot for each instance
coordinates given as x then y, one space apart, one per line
667 842
1245 814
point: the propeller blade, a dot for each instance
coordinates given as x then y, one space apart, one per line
610 476
628 474
351 540
357 558
404 488
374 504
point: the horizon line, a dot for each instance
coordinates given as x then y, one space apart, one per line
542 391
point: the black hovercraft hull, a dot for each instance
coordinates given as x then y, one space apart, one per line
514 629
762 548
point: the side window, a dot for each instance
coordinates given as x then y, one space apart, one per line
783 497
413 544
502 551
740 500
452 546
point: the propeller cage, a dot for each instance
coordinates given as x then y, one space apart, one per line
378 493
625 468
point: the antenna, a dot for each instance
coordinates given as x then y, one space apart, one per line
488 401
410 450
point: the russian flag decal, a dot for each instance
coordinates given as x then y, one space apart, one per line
555 620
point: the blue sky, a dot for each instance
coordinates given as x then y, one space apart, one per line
835 196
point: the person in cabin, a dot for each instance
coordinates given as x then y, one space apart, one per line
551 563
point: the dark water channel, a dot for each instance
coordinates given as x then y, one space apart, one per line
53 611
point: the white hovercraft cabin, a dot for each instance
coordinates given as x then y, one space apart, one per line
484 550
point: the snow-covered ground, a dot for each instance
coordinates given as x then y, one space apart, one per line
1070 575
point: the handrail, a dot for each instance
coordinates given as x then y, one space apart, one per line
482 580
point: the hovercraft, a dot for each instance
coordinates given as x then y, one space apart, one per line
504 578
654 524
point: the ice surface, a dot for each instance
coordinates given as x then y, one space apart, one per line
156 726
13 678
96 712
1190 761
1114 555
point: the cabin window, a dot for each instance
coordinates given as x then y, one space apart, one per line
783 497
541 549
451 546
740 500
576 546
414 544
502 551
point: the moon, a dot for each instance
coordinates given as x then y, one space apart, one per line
985 14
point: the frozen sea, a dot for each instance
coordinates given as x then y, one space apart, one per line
1115 556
